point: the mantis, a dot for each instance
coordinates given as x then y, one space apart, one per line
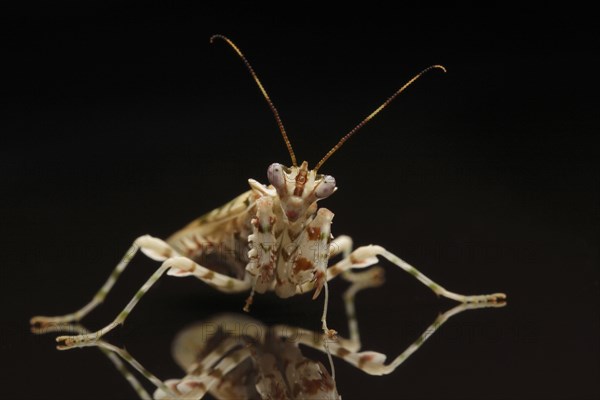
274 237
234 356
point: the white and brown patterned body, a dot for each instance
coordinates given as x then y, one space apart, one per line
277 233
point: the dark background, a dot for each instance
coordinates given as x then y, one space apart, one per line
119 119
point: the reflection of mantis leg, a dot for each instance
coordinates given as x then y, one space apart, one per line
371 362
199 381
372 277
201 376
111 353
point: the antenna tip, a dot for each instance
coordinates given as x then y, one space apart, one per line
439 67
217 36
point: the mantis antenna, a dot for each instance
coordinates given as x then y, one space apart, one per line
264 93
374 113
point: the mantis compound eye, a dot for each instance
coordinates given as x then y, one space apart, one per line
275 175
326 187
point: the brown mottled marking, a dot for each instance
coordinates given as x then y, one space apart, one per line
216 373
197 241
294 235
279 392
196 385
313 232
286 363
342 352
278 233
313 386
198 370
209 275
248 303
301 179
364 359
335 270
303 264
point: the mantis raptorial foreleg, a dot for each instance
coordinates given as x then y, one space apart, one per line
340 245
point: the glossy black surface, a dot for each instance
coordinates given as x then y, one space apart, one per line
123 120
